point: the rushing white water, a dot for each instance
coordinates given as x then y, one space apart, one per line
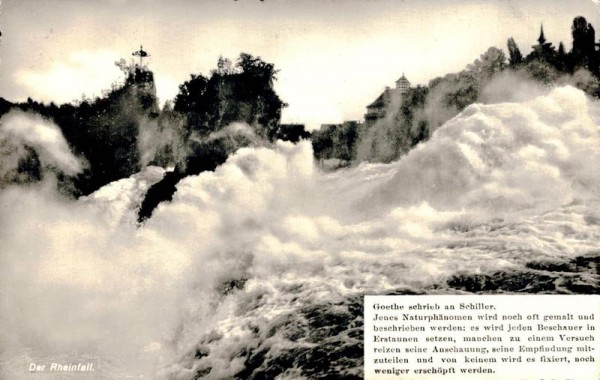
19 130
235 271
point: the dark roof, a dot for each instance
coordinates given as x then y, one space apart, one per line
381 101
402 78
542 38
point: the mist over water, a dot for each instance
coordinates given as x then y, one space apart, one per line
253 267
20 131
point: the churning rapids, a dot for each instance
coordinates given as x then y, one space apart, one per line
258 269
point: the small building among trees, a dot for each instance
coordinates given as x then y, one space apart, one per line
378 109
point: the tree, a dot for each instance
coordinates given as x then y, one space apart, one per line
583 37
561 49
515 56
124 67
542 71
191 94
322 142
291 132
257 68
562 59
224 67
488 64
584 49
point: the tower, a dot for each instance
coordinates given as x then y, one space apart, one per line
141 53
542 38
543 49
402 84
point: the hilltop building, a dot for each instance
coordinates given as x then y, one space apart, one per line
402 84
543 49
377 110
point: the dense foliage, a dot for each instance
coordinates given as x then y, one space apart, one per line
242 94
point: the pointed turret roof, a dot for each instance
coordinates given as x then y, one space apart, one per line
542 38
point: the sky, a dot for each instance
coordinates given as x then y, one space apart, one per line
334 56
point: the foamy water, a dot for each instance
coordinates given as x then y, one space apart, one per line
257 270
